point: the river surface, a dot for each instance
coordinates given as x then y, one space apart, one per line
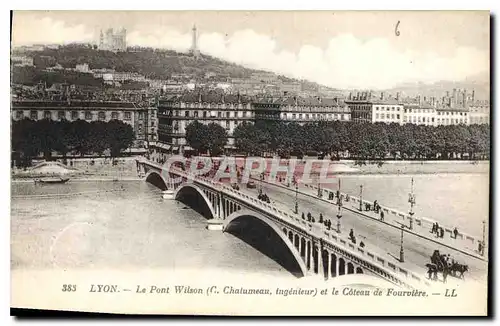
126 225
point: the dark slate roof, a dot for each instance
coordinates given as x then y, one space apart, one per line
218 97
59 104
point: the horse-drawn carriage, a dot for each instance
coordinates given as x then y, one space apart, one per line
441 263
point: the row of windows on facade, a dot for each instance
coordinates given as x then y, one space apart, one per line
210 106
206 114
248 106
226 123
451 121
316 116
452 113
479 120
389 116
418 119
388 108
419 110
76 115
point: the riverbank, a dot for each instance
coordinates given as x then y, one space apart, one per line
416 167
83 179
99 169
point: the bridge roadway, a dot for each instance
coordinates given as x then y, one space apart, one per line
417 250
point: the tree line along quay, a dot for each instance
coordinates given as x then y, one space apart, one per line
30 138
340 139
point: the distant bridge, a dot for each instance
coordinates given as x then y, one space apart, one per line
317 251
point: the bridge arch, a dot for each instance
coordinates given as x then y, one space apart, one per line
350 268
285 238
156 179
193 190
342 266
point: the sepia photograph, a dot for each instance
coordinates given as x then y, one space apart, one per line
251 163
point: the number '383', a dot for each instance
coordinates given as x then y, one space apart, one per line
69 288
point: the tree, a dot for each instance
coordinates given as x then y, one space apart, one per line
217 138
119 136
197 136
245 138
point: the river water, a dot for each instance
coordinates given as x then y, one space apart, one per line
126 225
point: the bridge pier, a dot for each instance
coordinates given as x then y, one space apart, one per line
168 194
319 254
215 224
316 252
311 257
329 270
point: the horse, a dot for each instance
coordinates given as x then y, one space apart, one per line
432 271
460 268
440 263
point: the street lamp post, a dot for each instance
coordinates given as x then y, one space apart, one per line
484 239
260 182
361 197
339 213
412 201
401 250
296 197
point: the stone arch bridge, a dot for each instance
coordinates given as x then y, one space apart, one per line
317 251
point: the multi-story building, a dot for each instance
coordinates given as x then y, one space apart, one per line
264 77
113 41
446 115
176 112
388 111
21 60
479 113
128 112
290 87
417 114
84 67
361 110
310 109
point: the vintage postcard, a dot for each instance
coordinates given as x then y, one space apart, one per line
292 163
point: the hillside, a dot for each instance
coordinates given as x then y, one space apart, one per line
480 83
152 63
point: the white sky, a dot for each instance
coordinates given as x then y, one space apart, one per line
337 49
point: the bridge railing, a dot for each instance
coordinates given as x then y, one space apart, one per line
380 265
422 222
390 271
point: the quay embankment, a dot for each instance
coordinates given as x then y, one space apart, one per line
81 170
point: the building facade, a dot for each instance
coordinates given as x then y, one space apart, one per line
176 112
303 110
419 114
113 40
387 111
361 110
479 113
128 112
446 116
